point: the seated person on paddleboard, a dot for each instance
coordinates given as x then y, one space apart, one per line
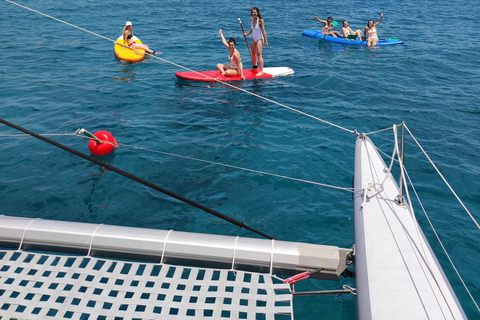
128 39
327 27
259 37
370 32
235 68
347 31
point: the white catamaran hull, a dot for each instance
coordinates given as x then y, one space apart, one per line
397 273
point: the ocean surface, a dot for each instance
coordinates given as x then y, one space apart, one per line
55 79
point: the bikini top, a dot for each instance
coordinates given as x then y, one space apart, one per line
233 63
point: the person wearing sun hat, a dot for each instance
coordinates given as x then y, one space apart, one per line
129 39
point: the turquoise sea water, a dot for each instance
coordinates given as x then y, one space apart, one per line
55 79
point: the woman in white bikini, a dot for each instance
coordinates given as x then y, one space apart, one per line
370 32
235 68
128 39
347 31
259 37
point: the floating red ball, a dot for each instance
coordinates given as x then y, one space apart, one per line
108 143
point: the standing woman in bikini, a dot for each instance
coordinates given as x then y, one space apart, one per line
128 39
259 37
370 32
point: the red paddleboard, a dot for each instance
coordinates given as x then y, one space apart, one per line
215 75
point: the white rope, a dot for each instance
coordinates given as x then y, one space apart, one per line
439 240
234 254
352 290
25 135
164 246
71 25
91 240
443 178
369 185
185 68
241 168
271 257
417 227
24 232
353 190
373 132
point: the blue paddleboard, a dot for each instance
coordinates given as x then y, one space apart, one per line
358 42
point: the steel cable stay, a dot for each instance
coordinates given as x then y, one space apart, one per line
443 178
436 235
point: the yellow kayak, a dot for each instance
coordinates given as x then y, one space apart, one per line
125 53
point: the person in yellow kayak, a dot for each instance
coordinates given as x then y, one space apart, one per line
129 40
235 68
327 27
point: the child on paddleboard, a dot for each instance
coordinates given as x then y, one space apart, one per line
235 68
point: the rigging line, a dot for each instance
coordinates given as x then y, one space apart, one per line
438 238
185 68
137 179
72 25
381 130
417 227
353 190
244 169
443 178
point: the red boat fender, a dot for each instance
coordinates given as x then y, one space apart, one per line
106 145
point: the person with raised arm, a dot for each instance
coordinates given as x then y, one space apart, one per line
327 28
235 68
370 32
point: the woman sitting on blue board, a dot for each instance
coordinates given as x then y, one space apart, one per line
128 39
348 33
235 68
370 32
327 27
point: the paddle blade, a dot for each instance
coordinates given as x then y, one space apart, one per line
335 23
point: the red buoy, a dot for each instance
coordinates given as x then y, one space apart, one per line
107 145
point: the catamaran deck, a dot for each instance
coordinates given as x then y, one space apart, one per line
67 270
